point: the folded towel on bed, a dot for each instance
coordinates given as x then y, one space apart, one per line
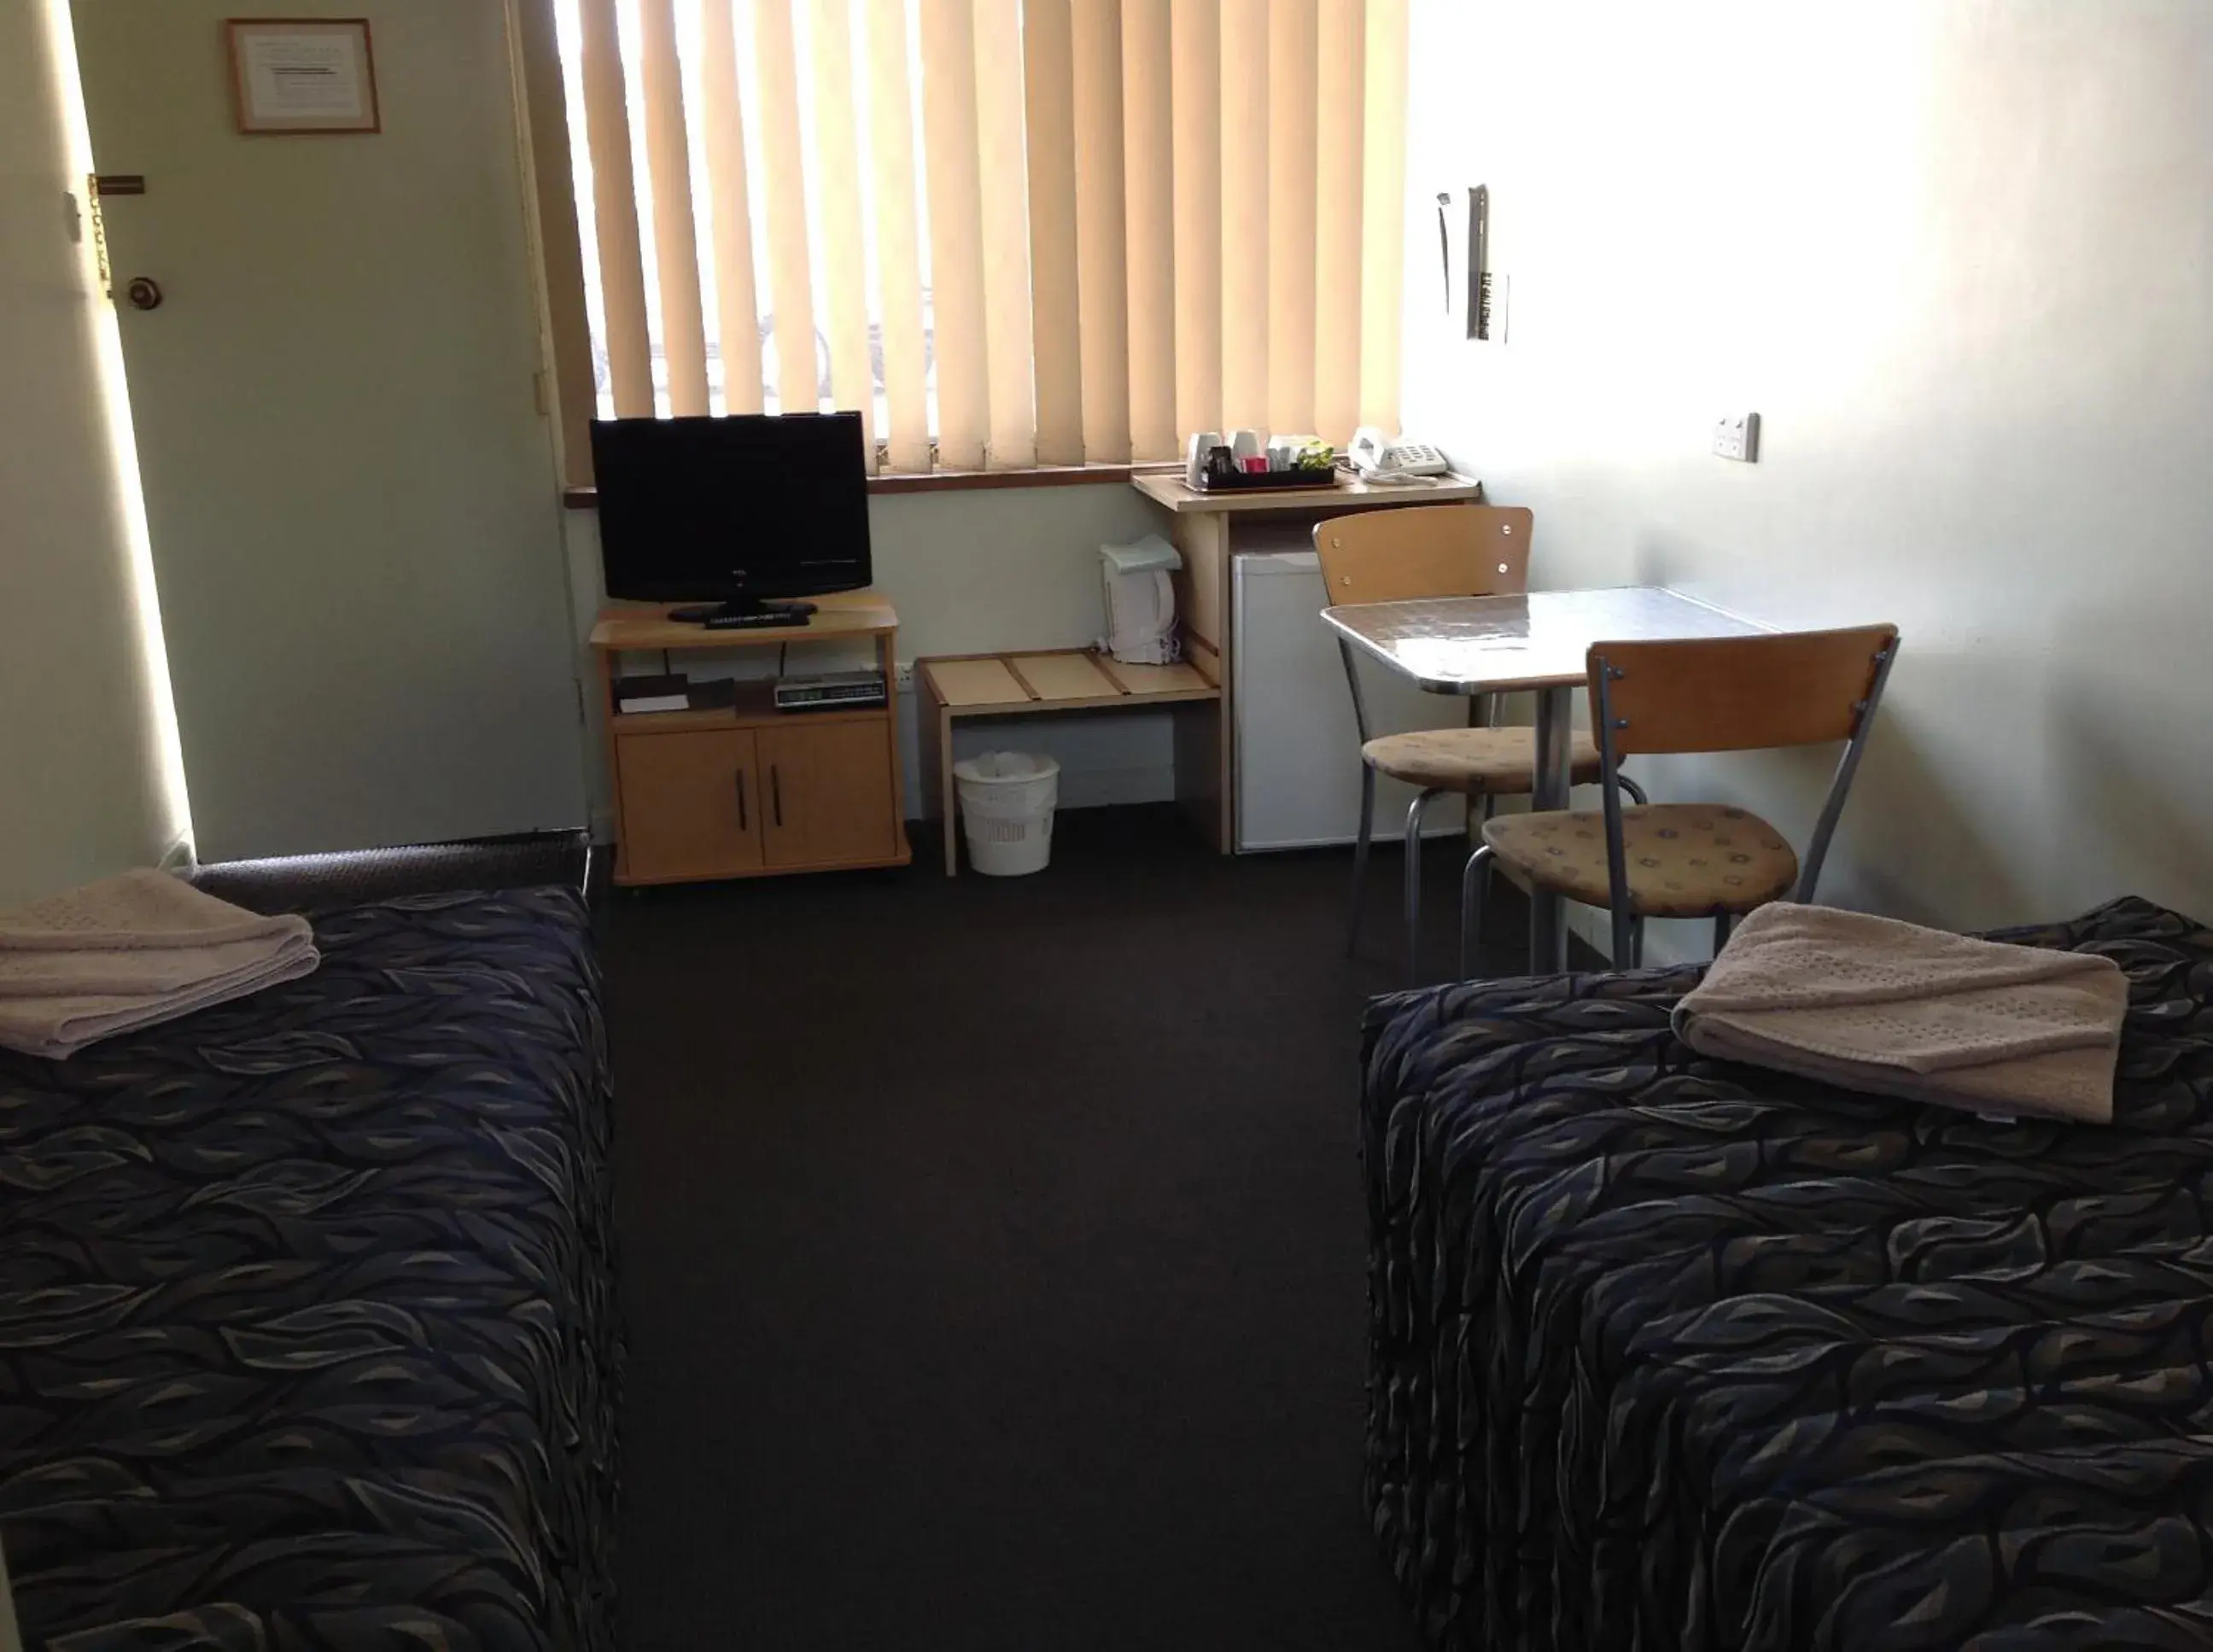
130 951
1870 1003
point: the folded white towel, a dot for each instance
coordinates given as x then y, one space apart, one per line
131 951
1870 1003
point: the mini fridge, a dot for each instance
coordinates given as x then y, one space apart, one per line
1298 749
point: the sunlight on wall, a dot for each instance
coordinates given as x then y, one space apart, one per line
1955 254
1685 237
166 760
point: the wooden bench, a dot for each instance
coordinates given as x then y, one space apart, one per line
1019 684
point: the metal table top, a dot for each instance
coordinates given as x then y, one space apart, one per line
1488 645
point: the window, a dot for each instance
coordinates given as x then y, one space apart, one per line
1009 233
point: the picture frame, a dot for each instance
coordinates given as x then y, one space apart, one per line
302 75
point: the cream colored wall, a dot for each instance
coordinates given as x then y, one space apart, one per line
1959 255
970 571
86 782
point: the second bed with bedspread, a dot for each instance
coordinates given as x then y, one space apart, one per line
1670 1352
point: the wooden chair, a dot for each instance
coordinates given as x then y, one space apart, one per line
1697 860
1405 555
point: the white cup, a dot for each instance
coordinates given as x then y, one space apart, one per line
1194 456
1244 445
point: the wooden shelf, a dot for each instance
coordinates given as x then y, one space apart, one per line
1057 679
755 708
1169 489
956 686
648 627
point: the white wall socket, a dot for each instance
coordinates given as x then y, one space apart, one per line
903 676
1737 436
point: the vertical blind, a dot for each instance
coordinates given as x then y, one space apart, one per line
1009 232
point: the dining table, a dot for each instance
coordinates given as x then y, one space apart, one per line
1537 642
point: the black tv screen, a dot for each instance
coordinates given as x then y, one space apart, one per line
720 509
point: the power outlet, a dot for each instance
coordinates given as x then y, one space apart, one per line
903 676
1737 436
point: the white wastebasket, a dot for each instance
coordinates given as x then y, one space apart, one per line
1006 800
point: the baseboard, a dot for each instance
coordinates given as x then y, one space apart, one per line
179 858
1101 788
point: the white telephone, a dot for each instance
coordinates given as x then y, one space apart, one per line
1379 459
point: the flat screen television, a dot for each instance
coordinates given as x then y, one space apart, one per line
733 513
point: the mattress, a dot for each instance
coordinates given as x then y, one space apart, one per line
307 1328
1671 1353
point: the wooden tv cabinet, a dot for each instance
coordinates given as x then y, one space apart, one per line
749 791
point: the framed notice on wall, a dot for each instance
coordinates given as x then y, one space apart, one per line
302 75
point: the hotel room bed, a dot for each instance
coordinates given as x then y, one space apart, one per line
1670 1352
307 1328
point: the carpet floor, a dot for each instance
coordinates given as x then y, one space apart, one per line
994 1252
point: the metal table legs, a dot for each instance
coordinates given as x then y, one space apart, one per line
1548 929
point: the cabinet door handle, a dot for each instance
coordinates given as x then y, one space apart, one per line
775 793
744 825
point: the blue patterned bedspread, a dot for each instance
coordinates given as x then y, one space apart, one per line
1670 1352
307 1329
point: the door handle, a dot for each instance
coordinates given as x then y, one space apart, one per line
775 793
744 825
144 293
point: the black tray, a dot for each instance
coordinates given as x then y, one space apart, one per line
1265 481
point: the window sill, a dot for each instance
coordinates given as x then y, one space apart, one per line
1045 476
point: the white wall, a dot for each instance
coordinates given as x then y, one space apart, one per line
1959 255
970 571
88 782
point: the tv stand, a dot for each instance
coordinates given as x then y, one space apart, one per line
745 790
743 613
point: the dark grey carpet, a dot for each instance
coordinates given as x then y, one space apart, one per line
993 1254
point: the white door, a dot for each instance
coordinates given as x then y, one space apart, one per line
350 489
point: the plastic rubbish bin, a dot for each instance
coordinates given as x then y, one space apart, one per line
1006 800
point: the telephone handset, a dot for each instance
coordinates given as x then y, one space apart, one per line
1379 458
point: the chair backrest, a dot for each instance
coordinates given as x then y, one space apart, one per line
1413 551
1737 693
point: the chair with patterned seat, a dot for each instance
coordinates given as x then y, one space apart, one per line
1408 555
1697 860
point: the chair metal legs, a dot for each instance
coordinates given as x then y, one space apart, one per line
1414 812
1624 931
1474 878
1474 881
1360 856
1723 921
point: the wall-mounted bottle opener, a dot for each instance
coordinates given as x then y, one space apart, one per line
1444 246
1478 261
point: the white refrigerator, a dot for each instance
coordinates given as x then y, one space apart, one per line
1298 749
